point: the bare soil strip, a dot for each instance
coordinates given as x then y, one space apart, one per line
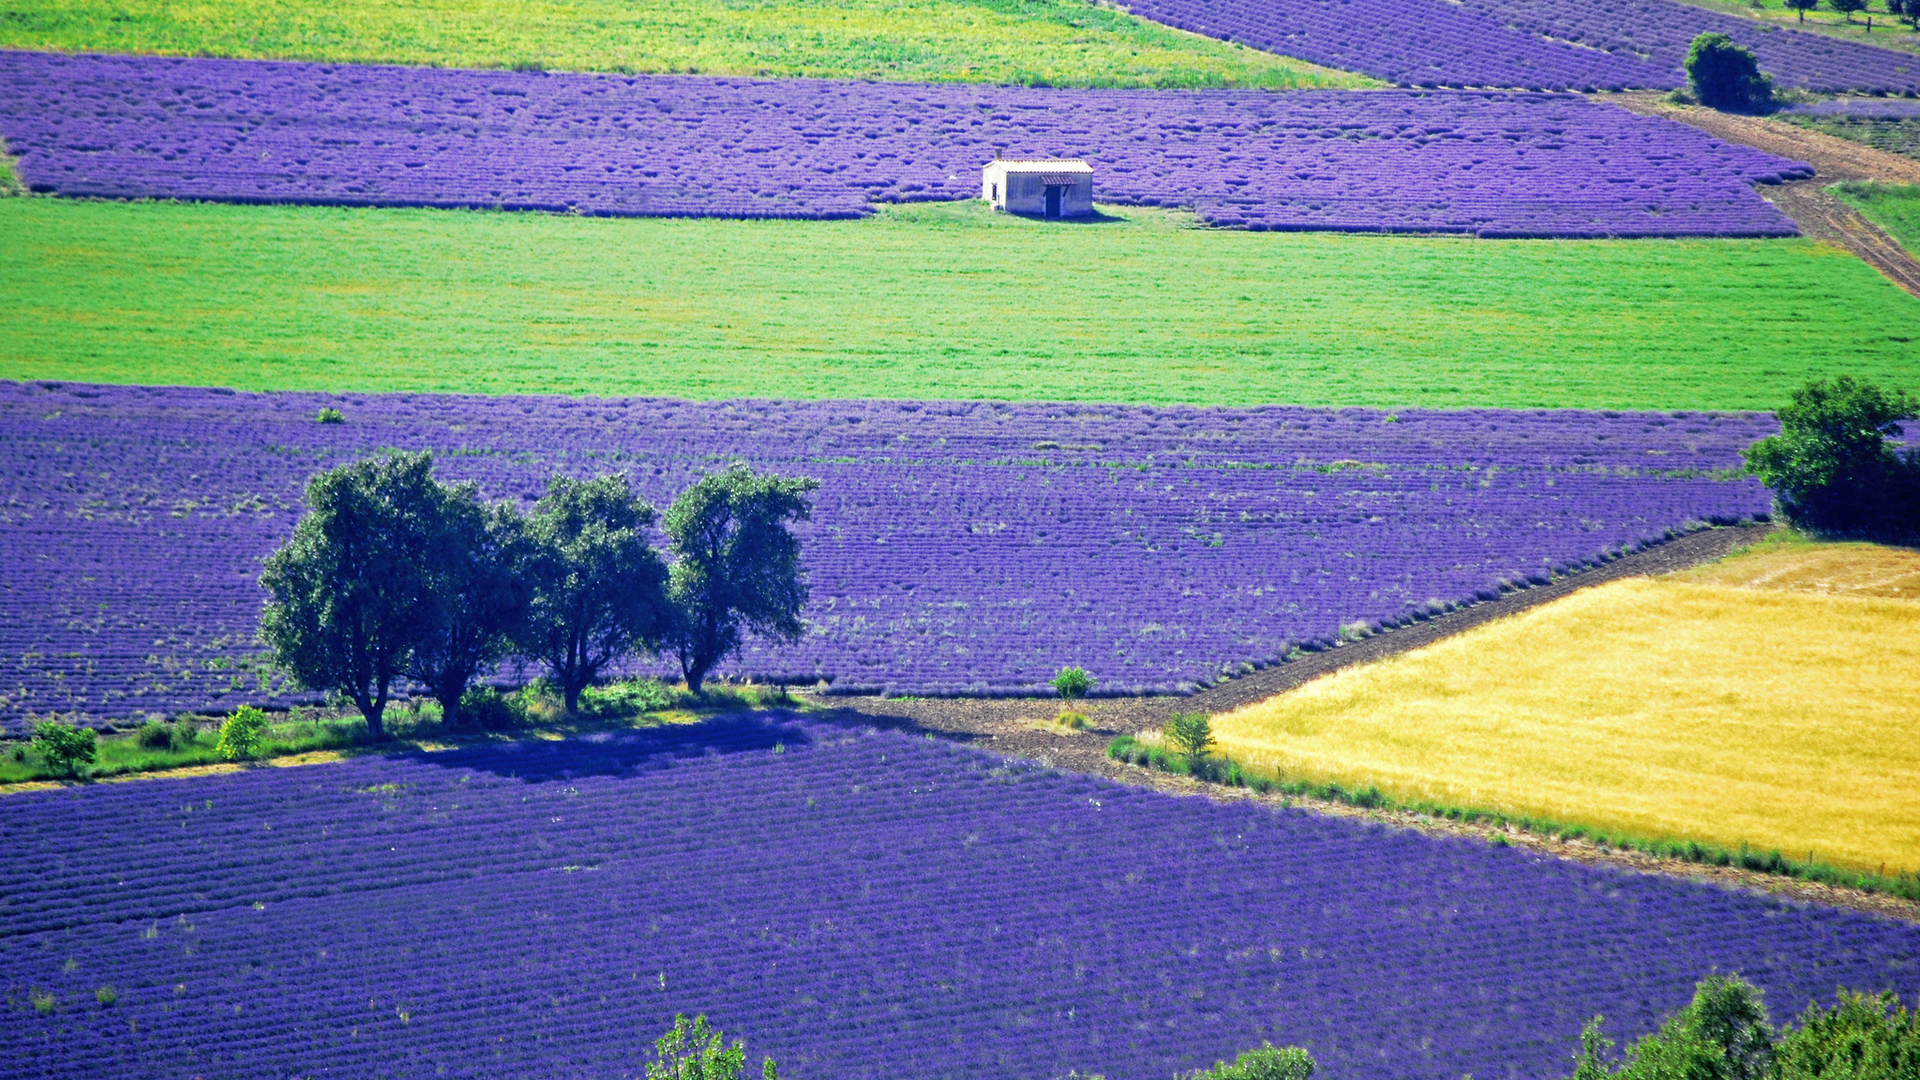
1817 213
1018 726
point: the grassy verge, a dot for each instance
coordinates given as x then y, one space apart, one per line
1893 207
9 179
908 304
1763 704
1037 42
412 724
1895 136
1225 770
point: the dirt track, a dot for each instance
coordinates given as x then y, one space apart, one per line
1014 726
1817 213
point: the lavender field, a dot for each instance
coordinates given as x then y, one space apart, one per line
1536 44
1482 163
955 547
859 906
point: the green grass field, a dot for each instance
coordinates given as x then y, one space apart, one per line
1893 207
933 301
1056 42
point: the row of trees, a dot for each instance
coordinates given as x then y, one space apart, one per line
1900 9
392 575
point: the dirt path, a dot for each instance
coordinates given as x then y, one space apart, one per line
1016 726
1807 202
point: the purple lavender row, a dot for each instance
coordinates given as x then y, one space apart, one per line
1538 44
955 547
247 131
859 906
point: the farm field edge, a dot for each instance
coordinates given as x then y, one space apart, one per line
1746 765
1058 43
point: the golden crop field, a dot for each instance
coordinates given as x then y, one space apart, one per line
1768 700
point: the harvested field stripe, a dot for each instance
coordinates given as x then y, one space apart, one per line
1662 708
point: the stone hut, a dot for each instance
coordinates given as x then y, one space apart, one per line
1050 189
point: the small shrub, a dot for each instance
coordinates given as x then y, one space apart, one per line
694 1050
65 747
1191 734
155 735
1269 1062
487 709
330 415
636 696
106 995
1073 683
242 734
1068 718
43 1002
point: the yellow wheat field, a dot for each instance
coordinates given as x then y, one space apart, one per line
1785 716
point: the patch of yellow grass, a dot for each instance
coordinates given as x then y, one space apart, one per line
1665 708
1824 569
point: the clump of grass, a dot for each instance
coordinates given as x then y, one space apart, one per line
106 996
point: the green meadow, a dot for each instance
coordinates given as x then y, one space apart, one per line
1893 207
1055 42
930 301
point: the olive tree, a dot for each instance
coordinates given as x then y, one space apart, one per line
476 595
736 565
596 586
349 591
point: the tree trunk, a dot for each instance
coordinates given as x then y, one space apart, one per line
449 705
374 708
570 688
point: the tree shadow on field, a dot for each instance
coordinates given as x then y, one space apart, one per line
624 753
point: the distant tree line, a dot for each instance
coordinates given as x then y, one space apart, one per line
392 576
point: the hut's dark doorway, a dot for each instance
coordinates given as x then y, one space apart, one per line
1053 200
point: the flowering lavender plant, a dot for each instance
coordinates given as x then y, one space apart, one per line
1482 163
859 906
1538 44
954 547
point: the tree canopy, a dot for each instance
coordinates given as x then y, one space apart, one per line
736 565
1726 76
1832 467
350 592
597 586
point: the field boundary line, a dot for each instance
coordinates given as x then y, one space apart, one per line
1814 209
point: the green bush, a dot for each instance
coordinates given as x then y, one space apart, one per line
627 698
694 1050
1191 734
155 735
330 415
1073 683
1269 1062
1726 76
487 709
242 734
64 746
1831 467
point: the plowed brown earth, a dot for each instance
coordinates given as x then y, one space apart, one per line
1019 726
1807 202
